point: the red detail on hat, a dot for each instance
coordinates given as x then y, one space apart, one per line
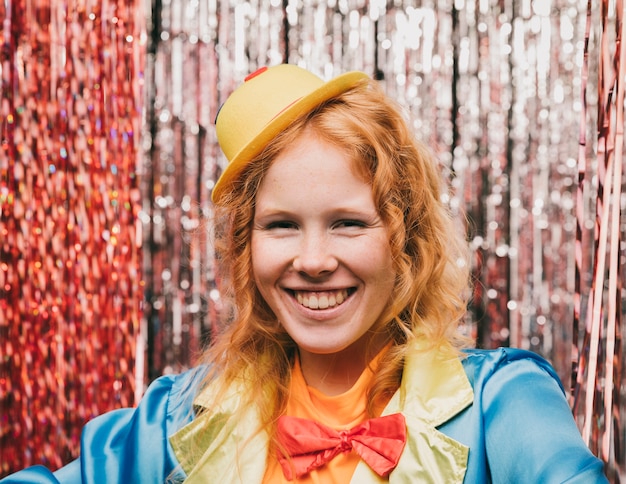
255 73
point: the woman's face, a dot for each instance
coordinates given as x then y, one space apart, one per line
320 252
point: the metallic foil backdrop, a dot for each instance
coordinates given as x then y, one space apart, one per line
108 157
70 239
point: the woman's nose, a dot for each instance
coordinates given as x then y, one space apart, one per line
315 256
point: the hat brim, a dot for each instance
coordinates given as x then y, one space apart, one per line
305 104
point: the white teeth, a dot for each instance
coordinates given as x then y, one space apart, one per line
323 300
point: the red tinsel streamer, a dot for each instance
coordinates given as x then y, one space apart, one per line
69 247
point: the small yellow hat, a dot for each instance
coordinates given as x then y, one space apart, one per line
265 104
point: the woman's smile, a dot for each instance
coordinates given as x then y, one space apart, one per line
321 305
321 299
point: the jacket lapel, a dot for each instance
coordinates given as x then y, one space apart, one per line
214 448
434 389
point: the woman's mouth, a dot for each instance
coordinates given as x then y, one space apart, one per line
321 299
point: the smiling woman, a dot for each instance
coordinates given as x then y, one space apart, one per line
342 360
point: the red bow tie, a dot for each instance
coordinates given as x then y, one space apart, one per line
309 445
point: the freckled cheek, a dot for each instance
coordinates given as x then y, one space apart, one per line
258 256
267 260
371 254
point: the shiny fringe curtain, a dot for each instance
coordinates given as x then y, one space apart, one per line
108 157
70 239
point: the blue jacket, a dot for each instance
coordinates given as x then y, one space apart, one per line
492 417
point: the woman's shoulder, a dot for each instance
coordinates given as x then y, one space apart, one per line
501 355
482 365
512 374
176 390
170 396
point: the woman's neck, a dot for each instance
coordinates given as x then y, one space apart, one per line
334 374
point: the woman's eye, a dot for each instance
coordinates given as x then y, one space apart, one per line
280 224
350 223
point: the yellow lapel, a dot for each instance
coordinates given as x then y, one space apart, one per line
213 448
434 389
